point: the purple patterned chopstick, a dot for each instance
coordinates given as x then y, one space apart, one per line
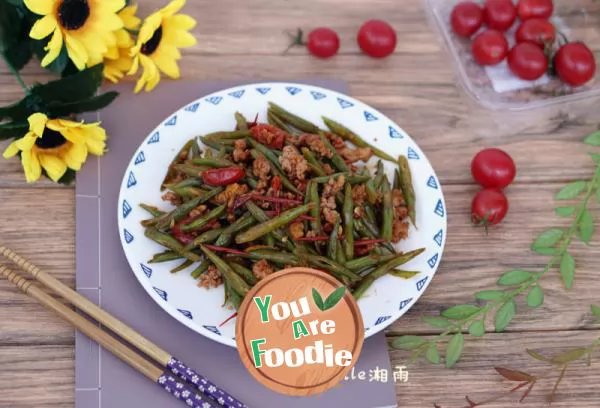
184 392
205 386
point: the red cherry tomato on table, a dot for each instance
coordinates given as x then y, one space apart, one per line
489 207
499 14
536 30
377 38
323 42
466 18
575 64
489 48
535 9
527 61
222 177
493 168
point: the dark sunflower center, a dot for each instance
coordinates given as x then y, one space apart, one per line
73 13
50 139
152 44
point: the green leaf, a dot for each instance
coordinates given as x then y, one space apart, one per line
596 311
544 251
81 86
538 356
565 211
570 356
454 350
89 105
593 139
17 111
68 177
504 315
460 312
407 342
595 157
514 375
334 298
535 297
586 226
10 22
477 328
437 321
432 355
317 298
13 130
567 269
571 190
489 295
548 238
59 64
514 277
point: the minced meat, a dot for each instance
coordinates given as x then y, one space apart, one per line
293 163
262 269
211 278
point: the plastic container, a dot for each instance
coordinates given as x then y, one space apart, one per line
503 104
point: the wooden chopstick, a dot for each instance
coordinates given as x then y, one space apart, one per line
120 350
154 352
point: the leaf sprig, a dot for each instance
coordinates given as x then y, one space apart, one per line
500 302
525 382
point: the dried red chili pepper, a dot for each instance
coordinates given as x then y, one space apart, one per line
222 177
268 135
184 238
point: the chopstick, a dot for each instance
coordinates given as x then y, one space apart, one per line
122 351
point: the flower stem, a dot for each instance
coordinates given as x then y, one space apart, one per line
16 74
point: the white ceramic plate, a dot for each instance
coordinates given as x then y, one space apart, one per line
200 309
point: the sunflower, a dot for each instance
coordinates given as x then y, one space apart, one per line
85 26
54 145
158 43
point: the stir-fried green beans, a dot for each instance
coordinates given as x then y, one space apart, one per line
407 188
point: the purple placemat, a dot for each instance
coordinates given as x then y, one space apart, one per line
103 275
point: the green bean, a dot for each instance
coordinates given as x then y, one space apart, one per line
399 273
182 266
315 210
273 255
244 272
333 239
396 184
284 179
188 182
341 257
260 230
241 122
168 241
251 182
349 136
260 216
202 221
169 219
388 211
206 237
190 169
154 211
370 215
294 120
195 150
181 156
268 153
231 295
407 189
226 291
367 229
378 175
329 265
314 163
362 230
274 120
336 159
209 153
237 283
369 261
384 269
216 162
200 269
236 134
348 212
217 145
349 178
371 191
243 222
189 192
165 256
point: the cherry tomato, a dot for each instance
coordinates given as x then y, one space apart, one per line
466 18
377 38
535 9
268 135
536 30
222 177
323 42
527 61
499 14
489 48
489 206
575 64
493 168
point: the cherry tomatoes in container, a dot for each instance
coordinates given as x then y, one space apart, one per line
466 18
377 38
535 9
323 42
499 14
489 47
536 30
493 168
575 64
489 207
527 61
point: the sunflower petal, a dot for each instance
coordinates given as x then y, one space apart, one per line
55 167
172 7
75 156
167 65
43 27
185 39
54 46
26 143
96 144
41 7
11 150
181 22
31 166
128 15
77 52
37 123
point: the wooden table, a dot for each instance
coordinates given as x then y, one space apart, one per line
415 87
